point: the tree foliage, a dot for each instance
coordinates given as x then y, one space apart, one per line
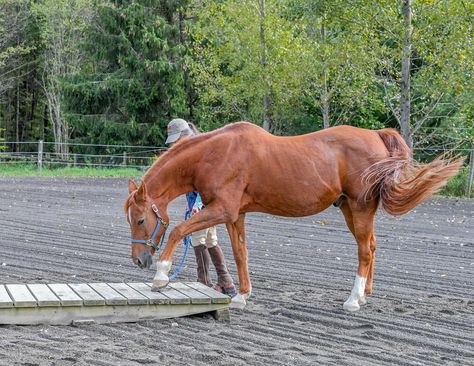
134 81
235 70
103 71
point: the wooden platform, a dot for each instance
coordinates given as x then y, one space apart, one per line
62 304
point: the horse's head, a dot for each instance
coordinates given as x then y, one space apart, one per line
146 224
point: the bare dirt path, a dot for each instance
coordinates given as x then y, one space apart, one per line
421 313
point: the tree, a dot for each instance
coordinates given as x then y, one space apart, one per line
19 50
337 63
135 80
14 15
244 52
62 29
426 60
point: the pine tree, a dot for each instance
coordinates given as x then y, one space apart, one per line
134 82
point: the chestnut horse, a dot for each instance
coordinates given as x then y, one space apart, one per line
242 168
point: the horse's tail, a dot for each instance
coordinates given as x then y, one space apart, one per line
400 182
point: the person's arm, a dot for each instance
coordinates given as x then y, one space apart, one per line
198 202
190 200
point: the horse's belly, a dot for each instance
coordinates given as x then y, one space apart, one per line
301 199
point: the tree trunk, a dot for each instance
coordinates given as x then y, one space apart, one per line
17 115
59 124
43 121
405 97
325 102
324 92
267 104
5 118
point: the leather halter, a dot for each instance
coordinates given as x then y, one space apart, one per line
151 242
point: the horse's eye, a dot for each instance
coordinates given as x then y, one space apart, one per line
141 221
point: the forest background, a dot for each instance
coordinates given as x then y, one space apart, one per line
116 72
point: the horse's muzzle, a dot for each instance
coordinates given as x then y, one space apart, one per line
143 260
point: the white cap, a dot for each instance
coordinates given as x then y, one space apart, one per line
177 128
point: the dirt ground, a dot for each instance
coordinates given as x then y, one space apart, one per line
421 312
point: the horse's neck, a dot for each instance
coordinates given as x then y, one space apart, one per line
169 180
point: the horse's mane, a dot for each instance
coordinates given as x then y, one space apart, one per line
187 143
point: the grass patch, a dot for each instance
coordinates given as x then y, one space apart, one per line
32 171
456 186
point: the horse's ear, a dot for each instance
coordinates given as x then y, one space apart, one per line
141 193
132 186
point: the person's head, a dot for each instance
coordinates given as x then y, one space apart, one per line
178 128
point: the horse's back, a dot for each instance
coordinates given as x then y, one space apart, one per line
293 175
343 136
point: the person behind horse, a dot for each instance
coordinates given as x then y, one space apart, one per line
206 247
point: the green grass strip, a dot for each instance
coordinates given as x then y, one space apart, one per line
32 171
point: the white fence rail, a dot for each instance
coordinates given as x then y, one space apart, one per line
86 155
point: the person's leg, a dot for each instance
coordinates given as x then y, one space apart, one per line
203 258
225 283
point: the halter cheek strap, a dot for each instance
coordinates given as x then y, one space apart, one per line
151 242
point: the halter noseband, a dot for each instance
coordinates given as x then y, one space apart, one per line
151 242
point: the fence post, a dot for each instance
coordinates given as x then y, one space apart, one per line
470 174
124 158
74 164
40 155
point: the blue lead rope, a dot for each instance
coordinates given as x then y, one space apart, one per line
191 198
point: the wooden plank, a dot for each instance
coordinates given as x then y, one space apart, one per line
5 299
88 295
111 296
195 296
65 294
101 314
153 297
133 297
65 304
21 296
175 297
43 294
216 297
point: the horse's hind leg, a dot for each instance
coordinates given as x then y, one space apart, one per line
363 229
346 210
239 248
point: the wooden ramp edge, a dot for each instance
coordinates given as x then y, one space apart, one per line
63 304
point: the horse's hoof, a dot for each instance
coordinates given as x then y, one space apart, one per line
238 302
351 306
159 285
246 296
362 300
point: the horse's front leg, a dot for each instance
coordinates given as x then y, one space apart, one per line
210 216
239 248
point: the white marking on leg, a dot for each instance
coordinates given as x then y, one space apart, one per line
162 269
238 302
357 296
161 278
248 294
